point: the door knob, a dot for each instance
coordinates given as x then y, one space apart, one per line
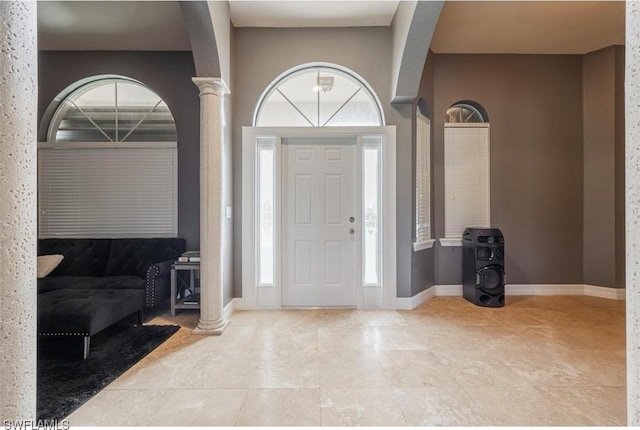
352 230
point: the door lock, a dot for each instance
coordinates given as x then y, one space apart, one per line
351 219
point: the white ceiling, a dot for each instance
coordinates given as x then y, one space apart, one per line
557 27
323 13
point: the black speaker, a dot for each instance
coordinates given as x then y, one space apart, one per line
483 267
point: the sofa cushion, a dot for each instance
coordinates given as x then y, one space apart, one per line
52 283
117 283
84 312
134 256
82 257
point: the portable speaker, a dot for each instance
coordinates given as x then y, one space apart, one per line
483 267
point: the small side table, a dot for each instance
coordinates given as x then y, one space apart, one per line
179 302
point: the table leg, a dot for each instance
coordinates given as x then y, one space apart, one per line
173 292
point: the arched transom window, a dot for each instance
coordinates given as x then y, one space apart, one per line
318 96
112 110
466 112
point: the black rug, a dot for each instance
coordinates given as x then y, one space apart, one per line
66 381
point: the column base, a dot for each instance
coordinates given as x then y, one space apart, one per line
211 328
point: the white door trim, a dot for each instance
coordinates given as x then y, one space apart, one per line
270 296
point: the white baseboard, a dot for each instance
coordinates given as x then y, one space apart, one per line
544 289
407 303
241 304
605 292
227 311
448 290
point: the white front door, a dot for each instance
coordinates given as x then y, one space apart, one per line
319 223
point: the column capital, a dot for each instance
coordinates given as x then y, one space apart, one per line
207 85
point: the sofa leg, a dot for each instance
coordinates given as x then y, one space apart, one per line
87 343
140 317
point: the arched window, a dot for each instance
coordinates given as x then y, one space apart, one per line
318 95
467 164
109 166
466 112
112 109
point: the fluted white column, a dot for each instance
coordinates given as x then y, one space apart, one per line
212 91
632 172
18 151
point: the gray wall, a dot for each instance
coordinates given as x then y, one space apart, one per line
534 103
261 54
169 75
405 200
599 81
229 185
620 169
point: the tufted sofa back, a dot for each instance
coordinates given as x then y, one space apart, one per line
82 257
134 256
110 257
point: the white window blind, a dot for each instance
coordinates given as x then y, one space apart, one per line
466 178
104 190
423 179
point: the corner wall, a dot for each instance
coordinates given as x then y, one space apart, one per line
603 168
620 169
422 262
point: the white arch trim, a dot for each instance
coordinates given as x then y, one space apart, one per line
274 84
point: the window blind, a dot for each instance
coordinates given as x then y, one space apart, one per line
423 179
106 190
466 181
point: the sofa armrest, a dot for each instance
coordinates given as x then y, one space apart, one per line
158 283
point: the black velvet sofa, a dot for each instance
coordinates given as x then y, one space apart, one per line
101 281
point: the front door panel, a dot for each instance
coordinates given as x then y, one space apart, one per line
318 238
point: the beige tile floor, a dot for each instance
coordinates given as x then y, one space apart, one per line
537 361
